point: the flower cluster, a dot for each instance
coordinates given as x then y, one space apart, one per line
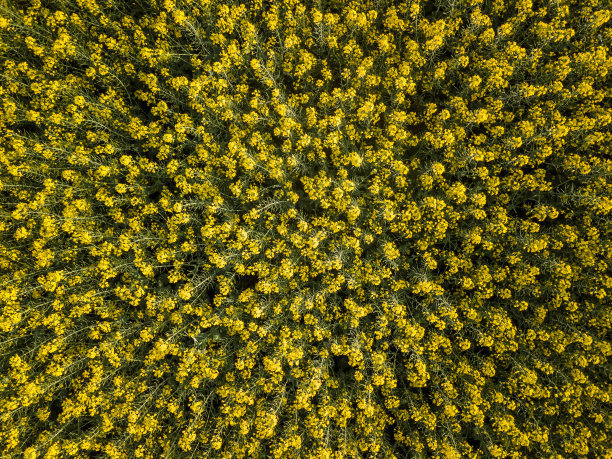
305 229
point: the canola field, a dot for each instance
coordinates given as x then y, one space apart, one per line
305 229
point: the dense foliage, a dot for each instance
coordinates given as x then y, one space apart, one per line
305 228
